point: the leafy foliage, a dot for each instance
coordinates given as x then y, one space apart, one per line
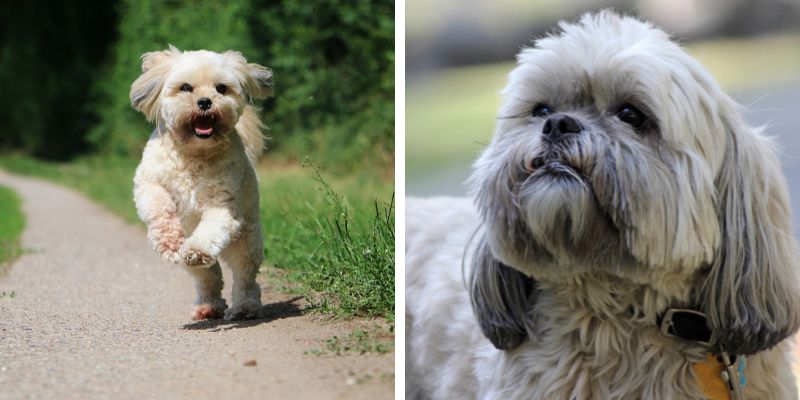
151 25
48 62
68 71
334 71
333 66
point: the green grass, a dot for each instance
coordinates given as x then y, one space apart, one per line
376 340
108 181
12 223
334 235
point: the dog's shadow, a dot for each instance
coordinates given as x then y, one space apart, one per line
269 312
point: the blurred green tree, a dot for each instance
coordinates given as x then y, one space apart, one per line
150 25
49 58
69 77
334 73
333 63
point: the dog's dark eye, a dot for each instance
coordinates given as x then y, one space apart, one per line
221 89
631 116
541 111
186 88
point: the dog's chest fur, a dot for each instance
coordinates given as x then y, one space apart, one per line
573 353
196 185
576 354
588 339
190 188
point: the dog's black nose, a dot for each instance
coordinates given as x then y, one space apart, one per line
561 124
204 103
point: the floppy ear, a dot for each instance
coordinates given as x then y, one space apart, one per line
751 292
258 84
146 90
256 79
501 299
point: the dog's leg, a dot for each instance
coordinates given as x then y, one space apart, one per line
158 211
208 284
216 229
244 257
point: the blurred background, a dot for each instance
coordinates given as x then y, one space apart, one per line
66 72
66 69
458 53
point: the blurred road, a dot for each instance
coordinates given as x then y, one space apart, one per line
92 313
779 110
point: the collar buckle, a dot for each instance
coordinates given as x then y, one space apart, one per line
686 324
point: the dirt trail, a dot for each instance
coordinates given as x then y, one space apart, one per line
97 315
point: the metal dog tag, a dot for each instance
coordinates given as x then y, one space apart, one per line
733 375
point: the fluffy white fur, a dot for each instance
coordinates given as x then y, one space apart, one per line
548 284
196 186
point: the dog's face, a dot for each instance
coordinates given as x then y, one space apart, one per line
616 152
198 96
606 152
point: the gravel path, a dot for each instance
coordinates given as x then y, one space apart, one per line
95 314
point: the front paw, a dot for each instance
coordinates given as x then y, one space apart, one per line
194 256
168 246
171 256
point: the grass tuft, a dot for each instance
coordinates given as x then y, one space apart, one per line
375 340
12 223
343 254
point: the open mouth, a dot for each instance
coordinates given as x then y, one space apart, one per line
203 126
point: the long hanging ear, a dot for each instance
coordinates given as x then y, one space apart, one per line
256 79
751 292
145 91
501 299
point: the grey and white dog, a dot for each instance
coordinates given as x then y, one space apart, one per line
621 182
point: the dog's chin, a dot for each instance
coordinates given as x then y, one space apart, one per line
563 217
555 202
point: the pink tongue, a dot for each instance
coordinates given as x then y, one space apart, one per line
201 131
204 126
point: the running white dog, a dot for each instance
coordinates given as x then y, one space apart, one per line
196 187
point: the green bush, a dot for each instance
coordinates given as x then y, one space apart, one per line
333 65
151 25
49 58
334 73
